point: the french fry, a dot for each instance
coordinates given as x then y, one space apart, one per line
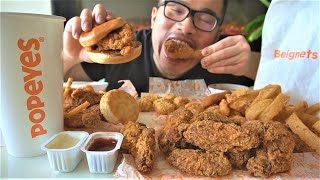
214 98
305 134
241 100
308 119
316 128
274 108
313 109
269 92
89 88
254 110
300 106
68 87
77 109
224 108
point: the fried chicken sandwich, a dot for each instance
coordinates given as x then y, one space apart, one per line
111 42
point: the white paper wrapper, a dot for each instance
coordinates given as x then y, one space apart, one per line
291 49
305 165
188 88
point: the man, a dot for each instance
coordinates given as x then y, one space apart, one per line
197 23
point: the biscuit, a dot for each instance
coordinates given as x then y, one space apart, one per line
118 106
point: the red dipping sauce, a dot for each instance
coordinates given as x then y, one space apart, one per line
103 144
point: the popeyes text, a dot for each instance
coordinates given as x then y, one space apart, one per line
291 55
30 58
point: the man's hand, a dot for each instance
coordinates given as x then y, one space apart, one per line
73 52
231 55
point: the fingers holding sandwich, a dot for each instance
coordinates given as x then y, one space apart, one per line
111 42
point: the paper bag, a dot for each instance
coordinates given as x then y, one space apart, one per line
290 49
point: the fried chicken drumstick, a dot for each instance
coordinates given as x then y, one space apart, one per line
177 49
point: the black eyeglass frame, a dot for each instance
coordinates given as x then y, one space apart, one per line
191 12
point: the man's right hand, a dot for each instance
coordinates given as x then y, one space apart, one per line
73 52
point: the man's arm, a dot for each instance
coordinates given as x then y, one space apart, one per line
77 73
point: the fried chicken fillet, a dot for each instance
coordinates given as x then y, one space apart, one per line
200 163
216 136
121 39
140 143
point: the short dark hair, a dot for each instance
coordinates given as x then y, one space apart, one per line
224 8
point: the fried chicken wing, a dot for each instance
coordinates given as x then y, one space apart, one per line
140 143
276 155
198 162
170 136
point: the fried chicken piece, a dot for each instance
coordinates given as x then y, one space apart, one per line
79 96
163 106
89 117
217 136
121 40
180 101
198 162
170 136
276 155
238 159
140 143
194 107
145 105
214 116
177 49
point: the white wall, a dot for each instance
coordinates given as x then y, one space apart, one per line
26 6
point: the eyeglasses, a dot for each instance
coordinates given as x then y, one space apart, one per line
178 12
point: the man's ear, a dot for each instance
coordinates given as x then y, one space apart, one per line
153 16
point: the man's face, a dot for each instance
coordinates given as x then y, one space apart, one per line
164 29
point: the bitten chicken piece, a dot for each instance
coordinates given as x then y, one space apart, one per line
200 163
140 143
177 49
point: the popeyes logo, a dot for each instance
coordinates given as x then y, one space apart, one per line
30 59
290 55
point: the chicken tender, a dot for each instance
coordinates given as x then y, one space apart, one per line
217 136
201 163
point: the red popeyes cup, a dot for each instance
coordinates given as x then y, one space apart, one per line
31 81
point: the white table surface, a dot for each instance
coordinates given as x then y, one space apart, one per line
39 167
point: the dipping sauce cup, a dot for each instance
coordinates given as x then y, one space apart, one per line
63 150
102 149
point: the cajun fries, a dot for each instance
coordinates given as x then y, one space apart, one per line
297 126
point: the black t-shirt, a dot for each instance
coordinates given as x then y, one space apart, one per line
138 71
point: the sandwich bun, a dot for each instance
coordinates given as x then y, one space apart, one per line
88 39
113 58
